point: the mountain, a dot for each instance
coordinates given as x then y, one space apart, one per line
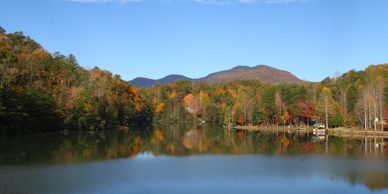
146 82
263 73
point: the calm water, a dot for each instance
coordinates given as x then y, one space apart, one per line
182 159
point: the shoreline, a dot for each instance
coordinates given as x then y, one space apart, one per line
341 132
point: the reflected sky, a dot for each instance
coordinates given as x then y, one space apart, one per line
205 174
188 159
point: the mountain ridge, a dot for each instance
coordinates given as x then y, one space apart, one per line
260 72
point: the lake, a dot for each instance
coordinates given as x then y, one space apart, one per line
184 159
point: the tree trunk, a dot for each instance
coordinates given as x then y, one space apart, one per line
365 112
326 113
369 116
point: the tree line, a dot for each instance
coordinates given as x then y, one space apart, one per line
44 92
356 98
50 92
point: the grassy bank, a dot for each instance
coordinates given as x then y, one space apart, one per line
343 132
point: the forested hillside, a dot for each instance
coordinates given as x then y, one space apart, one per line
43 92
50 92
356 98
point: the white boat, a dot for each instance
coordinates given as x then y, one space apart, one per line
319 130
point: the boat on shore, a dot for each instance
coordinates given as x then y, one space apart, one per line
319 129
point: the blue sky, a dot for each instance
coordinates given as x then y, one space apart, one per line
153 38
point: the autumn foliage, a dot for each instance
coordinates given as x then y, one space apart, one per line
43 92
338 101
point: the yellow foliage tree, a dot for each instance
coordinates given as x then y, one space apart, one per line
159 108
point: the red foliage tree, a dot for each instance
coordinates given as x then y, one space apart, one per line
241 120
307 110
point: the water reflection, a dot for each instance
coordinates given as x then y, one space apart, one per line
374 146
181 140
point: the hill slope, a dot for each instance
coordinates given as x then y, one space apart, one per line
260 72
146 82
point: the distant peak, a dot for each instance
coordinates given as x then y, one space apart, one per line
240 67
260 72
263 66
174 75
